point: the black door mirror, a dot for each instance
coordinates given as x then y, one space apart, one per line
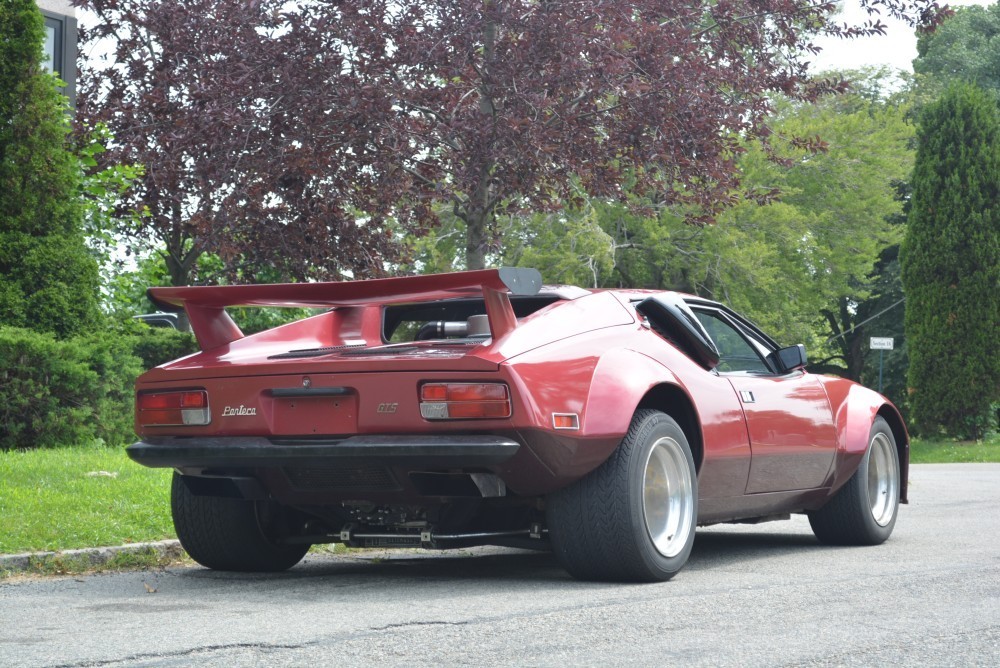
790 358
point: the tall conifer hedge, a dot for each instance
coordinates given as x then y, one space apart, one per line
48 280
951 266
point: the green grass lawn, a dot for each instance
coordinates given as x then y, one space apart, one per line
76 497
952 452
94 496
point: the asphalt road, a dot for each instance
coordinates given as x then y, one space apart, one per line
765 595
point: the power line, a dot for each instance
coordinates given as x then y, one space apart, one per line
885 310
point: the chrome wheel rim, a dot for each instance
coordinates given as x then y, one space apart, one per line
667 497
883 480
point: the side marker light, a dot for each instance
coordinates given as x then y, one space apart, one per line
565 421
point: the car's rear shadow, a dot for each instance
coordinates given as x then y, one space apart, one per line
720 548
368 568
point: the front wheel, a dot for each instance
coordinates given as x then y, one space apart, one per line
633 518
229 534
863 512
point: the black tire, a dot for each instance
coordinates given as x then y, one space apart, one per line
864 510
599 526
226 534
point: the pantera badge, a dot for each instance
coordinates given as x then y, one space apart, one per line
238 411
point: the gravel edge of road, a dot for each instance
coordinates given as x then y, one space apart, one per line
91 557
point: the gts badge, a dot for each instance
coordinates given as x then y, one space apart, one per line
238 411
387 408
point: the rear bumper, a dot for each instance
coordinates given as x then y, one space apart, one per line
432 451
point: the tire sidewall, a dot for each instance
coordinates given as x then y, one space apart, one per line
878 532
653 428
228 534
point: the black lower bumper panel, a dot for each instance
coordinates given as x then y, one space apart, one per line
254 452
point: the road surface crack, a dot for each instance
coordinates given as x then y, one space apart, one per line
409 624
128 660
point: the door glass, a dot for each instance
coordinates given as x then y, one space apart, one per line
735 352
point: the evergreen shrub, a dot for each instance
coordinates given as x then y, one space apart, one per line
65 392
951 267
49 280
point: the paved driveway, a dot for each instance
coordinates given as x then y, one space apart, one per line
765 595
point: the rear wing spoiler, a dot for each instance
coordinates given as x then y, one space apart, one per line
212 326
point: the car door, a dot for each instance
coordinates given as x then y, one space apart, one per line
789 420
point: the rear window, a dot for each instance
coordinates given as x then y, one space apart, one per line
449 319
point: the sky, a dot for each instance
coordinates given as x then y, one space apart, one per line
897 48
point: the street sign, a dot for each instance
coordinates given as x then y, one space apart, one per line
881 343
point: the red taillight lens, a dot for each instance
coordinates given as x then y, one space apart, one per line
173 409
464 401
463 392
173 400
434 392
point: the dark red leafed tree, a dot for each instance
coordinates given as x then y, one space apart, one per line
294 137
256 135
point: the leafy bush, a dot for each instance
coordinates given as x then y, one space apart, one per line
67 392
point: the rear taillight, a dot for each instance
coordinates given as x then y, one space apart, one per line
464 401
173 409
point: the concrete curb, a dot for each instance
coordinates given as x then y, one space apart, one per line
91 556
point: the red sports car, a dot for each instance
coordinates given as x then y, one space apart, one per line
483 408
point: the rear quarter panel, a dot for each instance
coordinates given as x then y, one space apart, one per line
563 377
603 377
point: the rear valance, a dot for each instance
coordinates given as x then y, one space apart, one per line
213 327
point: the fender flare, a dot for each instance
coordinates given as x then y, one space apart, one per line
855 408
622 378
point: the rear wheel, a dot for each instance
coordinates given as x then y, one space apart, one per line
633 518
230 534
863 512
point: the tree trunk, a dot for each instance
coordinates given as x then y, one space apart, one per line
477 239
180 261
179 267
478 209
855 356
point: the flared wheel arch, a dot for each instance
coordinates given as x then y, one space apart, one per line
892 417
859 446
674 401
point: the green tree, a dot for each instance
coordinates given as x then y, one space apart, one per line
852 192
801 266
951 265
48 280
966 46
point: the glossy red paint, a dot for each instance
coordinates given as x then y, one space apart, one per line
588 354
791 432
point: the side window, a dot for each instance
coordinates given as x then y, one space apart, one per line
735 352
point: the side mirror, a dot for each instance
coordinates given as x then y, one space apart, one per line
790 358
